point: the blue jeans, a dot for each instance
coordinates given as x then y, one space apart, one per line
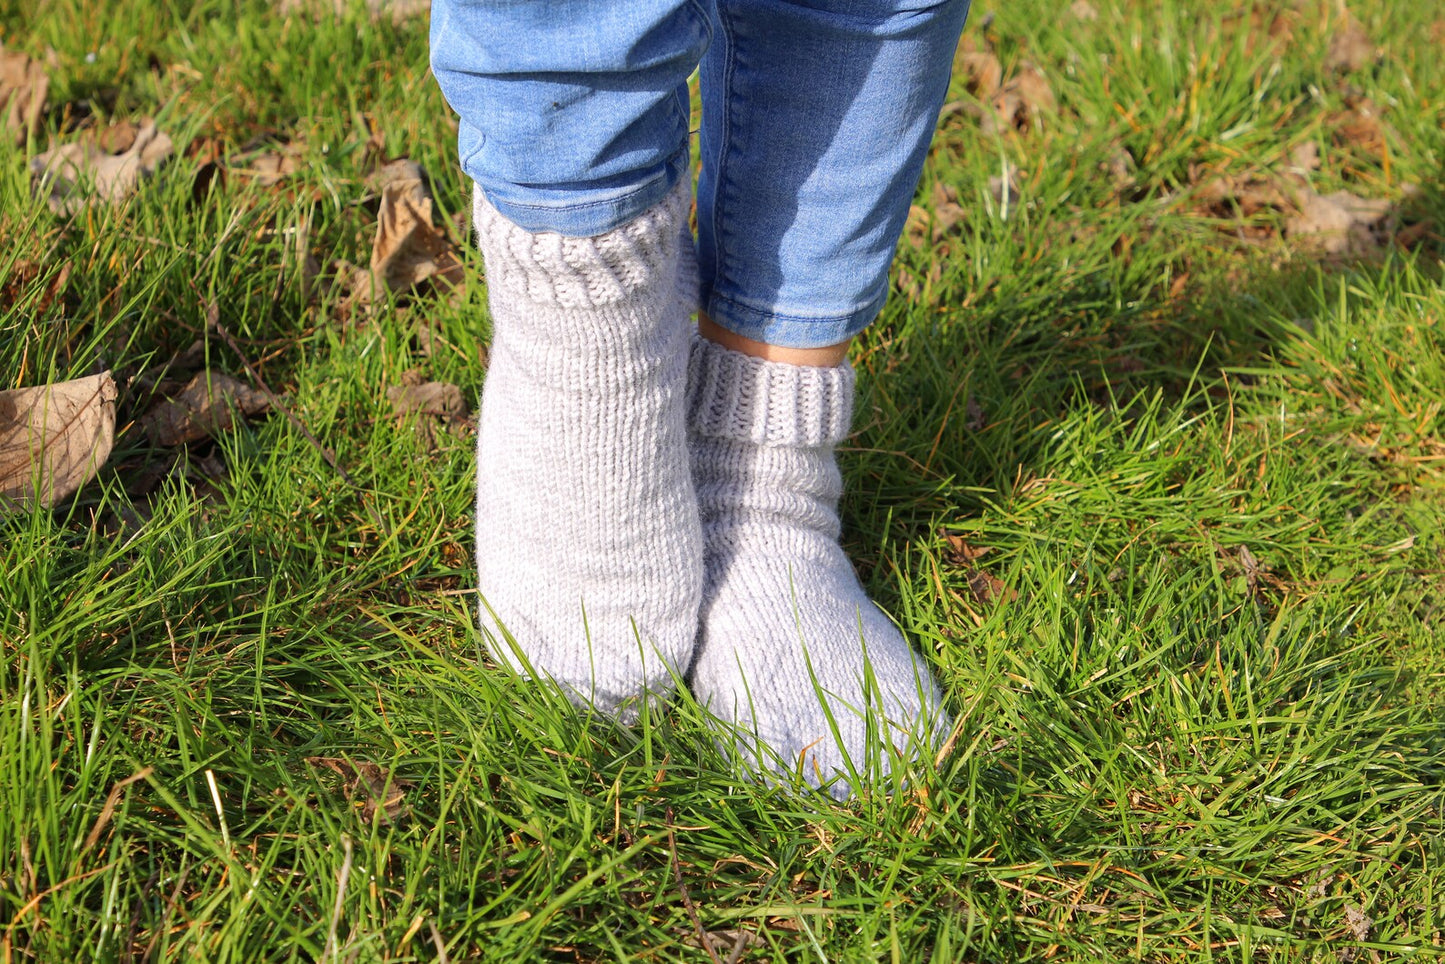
816 118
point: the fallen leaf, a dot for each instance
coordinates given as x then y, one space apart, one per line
988 588
428 398
1341 224
408 250
947 213
1358 922
973 418
22 276
981 72
1265 23
1251 567
1350 48
1359 128
1022 102
1005 187
1120 168
206 406
54 438
960 551
985 588
402 170
208 154
265 168
918 228
435 401
1304 157
383 792
111 163
914 286
358 288
23 86
1226 196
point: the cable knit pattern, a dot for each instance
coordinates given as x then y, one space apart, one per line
552 269
588 545
782 609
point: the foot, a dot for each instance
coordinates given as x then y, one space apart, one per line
589 556
792 653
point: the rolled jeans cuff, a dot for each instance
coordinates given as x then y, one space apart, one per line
599 210
792 331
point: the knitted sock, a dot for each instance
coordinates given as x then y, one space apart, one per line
588 547
784 618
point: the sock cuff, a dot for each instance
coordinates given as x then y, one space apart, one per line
739 397
547 268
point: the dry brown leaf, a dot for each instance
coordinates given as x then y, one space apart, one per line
988 588
22 275
981 72
23 86
1239 200
918 228
1358 922
358 288
1341 224
985 588
1304 158
442 399
208 405
960 551
973 417
402 170
1350 48
1120 169
1250 565
1266 23
1004 188
265 168
383 792
947 213
1360 128
55 435
408 250
915 286
1022 102
110 163
434 401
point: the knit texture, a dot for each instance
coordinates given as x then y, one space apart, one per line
785 626
589 551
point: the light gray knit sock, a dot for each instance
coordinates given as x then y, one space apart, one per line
784 618
588 546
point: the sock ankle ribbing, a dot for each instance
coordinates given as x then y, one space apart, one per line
588 544
784 619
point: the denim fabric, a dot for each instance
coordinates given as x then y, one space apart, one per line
815 124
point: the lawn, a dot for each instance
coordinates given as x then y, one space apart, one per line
1149 461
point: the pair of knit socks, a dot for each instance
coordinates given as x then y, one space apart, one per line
653 508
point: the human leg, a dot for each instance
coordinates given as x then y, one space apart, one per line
574 130
808 170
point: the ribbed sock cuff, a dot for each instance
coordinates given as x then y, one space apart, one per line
551 269
739 397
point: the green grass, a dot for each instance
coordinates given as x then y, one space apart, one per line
1208 722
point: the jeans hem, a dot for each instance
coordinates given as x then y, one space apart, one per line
586 219
791 331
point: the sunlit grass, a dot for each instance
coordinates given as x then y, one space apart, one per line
1197 671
